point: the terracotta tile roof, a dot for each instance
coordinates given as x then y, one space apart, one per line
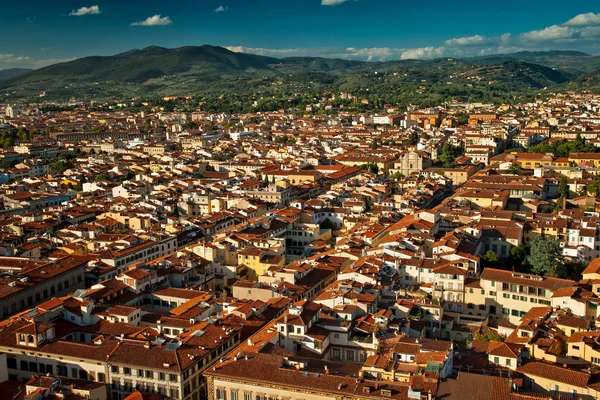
499 275
556 373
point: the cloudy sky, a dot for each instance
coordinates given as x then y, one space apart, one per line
37 33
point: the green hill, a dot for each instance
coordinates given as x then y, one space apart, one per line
216 70
573 61
12 73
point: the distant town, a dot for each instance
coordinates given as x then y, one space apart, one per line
157 249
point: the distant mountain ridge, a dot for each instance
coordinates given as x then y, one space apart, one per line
199 69
12 73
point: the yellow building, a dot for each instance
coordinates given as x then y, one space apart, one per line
511 294
559 381
591 159
258 261
584 346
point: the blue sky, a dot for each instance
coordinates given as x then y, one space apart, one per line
40 32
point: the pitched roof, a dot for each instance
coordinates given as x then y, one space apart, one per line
555 373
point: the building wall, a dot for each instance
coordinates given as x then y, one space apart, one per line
540 384
45 290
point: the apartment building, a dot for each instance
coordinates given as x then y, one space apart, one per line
25 283
511 294
148 250
122 356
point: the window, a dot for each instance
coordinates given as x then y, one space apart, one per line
247 396
508 362
11 363
234 395
350 355
220 394
496 360
101 377
336 354
114 369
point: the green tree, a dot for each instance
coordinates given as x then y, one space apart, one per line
515 169
545 256
571 270
328 224
374 168
374 144
490 260
449 153
563 187
80 183
518 254
489 336
60 166
594 187
102 177
397 175
23 134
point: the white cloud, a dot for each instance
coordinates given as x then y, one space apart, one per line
554 32
586 19
423 52
590 32
92 10
21 61
332 2
373 53
466 41
221 9
350 53
292 52
155 20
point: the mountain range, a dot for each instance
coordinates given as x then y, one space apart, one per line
211 70
12 73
